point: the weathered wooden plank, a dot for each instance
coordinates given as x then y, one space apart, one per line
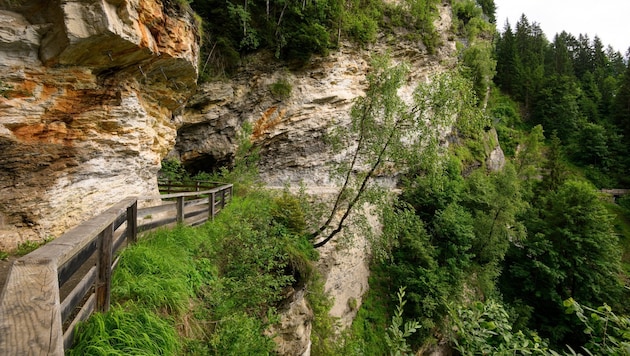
30 314
195 213
213 202
119 238
70 243
152 210
155 224
77 294
615 191
104 267
82 315
180 210
186 194
115 263
189 203
74 263
132 222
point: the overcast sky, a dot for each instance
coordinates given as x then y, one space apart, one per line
609 19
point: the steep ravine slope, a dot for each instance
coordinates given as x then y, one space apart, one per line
89 90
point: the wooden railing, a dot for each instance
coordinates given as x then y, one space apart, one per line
38 316
615 191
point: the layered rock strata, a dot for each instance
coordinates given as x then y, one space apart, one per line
88 90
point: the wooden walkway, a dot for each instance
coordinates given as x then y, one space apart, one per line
615 192
35 318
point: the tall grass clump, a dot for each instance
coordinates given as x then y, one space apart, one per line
128 330
159 273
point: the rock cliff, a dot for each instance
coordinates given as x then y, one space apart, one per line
89 91
289 127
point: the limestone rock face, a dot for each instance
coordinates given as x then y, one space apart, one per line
292 334
289 129
88 94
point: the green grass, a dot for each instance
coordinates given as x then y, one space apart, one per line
27 247
128 330
213 289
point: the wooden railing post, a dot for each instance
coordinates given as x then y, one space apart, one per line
132 223
211 203
222 199
180 210
104 277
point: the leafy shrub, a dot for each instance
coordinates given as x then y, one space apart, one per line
240 334
485 329
361 27
624 201
172 169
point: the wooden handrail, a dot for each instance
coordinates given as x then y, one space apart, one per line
32 312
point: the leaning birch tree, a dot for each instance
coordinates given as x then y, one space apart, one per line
388 134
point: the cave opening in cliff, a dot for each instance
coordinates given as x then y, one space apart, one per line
207 163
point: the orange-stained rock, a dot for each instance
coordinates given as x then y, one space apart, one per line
87 94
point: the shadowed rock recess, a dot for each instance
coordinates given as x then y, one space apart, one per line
89 94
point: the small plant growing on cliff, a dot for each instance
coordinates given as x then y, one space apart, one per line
281 89
5 89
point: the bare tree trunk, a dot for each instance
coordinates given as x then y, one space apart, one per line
346 179
280 18
361 189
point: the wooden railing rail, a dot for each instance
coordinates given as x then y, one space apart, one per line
615 191
35 318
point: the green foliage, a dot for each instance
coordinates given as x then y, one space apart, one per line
609 334
212 289
469 21
323 325
239 334
485 329
26 247
571 86
540 272
159 273
489 8
281 89
479 67
126 331
295 31
172 169
361 27
396 337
